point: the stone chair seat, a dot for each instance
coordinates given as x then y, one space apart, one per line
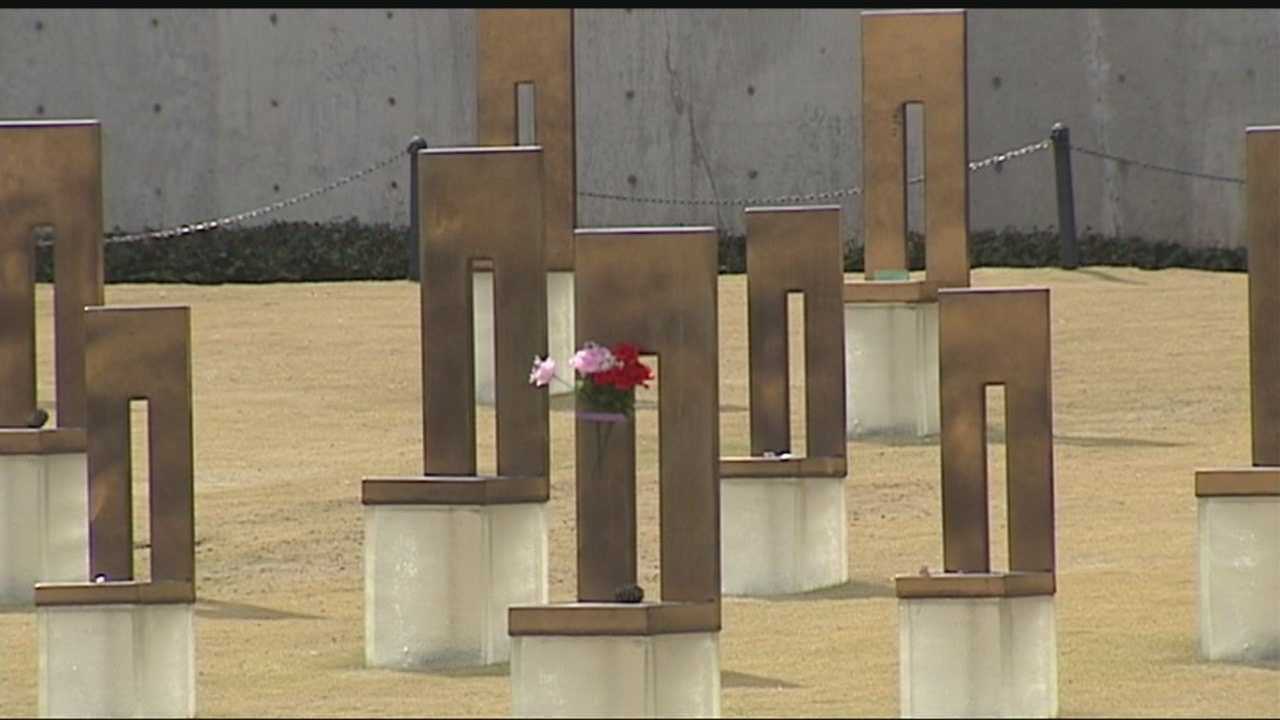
453 490
890 291
788 467
115 592
613 618
41 441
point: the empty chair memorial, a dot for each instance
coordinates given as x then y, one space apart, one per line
50 186
783 526
110 644
448 551
891 321
525 96
618 651
977 642
1238 558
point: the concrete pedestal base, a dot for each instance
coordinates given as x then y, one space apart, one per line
1239 577
603 676
891 361
117 660
782 535
439 578
559 331
44 522
978 656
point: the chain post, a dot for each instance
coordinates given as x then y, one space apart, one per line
411 242
1061 137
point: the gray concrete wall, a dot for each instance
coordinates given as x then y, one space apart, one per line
211 112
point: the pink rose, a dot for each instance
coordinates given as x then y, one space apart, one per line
543 371
592 358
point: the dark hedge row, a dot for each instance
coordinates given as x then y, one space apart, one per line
1039 248
350 250
277 252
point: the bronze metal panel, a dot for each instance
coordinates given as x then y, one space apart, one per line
44 441
656 288
1262 205
140 352
50 174
156 592
613 618
605 484
482 203
916 56
1238 481
996 336
962 585
881 291
515 46
437 490
782 467
796 250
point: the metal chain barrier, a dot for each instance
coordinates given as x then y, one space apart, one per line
1159 168
256 212
781 199
997 160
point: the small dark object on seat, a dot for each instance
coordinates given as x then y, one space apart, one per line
629 594
38 418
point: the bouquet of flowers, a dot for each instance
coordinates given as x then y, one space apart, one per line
605 382
606 379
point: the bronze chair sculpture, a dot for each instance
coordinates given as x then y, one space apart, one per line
1238 509
51 176
461 544
111 643
978 642
656 288
525 96
891 337
783 522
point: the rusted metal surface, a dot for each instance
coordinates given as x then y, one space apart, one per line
655 288
1216 482
613 618
474 490
795 250
533 46
1262 207
958 585
483 203
996 336
885 291
915 56
50 174
782 467
131 353
44 441
1262 223
126 592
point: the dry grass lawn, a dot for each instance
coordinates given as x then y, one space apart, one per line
300 390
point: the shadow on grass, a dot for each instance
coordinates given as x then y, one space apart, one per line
1271 665
891 440
997 436
728 678
224 610
731 679
458 671
851 590
1101 275
1103 441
